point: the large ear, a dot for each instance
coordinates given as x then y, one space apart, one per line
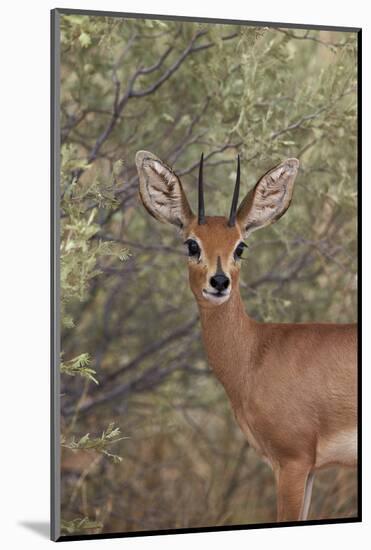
269 199
161 191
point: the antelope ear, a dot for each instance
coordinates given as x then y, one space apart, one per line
161 192
269 199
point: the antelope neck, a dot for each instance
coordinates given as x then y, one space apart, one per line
228 335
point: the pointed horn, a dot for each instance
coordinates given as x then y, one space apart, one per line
236 192
201 203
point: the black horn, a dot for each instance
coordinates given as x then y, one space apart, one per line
236 192
201 203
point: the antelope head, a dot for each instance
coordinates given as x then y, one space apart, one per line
214 244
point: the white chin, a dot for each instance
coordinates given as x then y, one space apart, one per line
214 298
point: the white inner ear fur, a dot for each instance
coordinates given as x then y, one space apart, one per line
270 198
161 191
160 169
165 193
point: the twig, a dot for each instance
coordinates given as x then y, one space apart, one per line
313 38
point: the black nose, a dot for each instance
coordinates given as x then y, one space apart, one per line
220 282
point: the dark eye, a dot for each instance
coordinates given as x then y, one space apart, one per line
239 250
193 248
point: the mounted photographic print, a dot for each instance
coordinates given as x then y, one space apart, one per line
205 371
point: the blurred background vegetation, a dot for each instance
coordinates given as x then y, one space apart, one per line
149 441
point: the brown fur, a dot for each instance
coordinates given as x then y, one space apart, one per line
292 387
289 384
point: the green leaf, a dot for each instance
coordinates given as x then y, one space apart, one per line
79 366
99 444
84 39
77 525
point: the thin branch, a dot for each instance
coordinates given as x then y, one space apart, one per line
152 348
306 36
73 122
188 140
151 378
220 149
312 116
211 44
168 73
118 105
298 123
126 50
157 65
